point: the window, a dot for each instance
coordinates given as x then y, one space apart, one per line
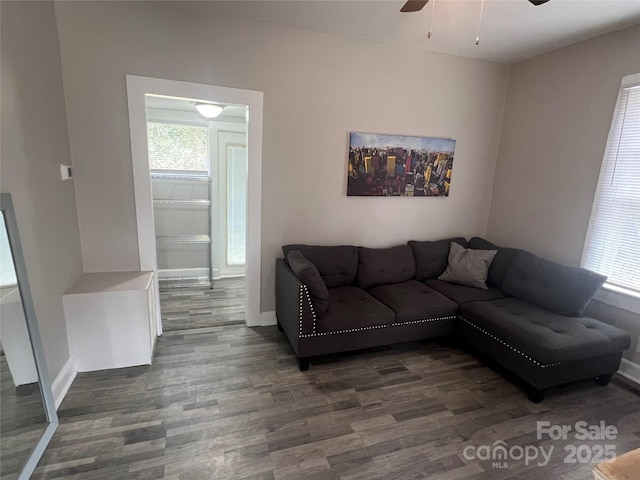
178 148
236 204
612 245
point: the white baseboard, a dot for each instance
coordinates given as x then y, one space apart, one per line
630 370
268 318
63 381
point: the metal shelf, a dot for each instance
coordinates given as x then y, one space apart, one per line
191 181
166 239
171 176
195 203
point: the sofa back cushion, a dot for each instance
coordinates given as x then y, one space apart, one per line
310 276
500 263
432 257
337 265
378 266
559 288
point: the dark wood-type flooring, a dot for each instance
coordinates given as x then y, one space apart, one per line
230 403
198 307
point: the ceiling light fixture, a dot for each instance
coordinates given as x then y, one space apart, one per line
209 110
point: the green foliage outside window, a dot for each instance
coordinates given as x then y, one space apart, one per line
174 147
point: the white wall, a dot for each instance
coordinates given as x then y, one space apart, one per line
317 88
556 123
35 140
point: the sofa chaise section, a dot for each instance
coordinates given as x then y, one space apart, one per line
542 347
538 330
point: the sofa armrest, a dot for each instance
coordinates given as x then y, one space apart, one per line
294 308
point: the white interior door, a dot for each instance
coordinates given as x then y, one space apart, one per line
230 247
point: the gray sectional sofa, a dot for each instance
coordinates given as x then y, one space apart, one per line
528 316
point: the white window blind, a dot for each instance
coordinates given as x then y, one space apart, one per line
612 245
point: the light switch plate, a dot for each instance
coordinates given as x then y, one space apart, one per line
65 172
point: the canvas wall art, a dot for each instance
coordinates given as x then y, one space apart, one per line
399 165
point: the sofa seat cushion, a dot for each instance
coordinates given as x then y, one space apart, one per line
352 308
463 294
413 300
337 264
543 336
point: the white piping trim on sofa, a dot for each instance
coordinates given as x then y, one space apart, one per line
542 365
374 327
63 381
304 291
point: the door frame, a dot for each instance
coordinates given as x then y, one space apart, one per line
137 88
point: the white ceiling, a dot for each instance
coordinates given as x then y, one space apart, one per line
511 30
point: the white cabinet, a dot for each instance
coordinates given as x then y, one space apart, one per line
111 320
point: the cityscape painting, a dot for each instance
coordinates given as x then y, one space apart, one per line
398 165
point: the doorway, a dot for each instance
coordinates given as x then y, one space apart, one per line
137 90
198 167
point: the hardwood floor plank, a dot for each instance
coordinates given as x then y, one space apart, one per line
229 403
198 307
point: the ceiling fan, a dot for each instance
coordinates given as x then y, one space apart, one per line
417 5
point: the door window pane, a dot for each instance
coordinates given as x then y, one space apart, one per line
237 204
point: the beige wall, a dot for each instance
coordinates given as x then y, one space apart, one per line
317 88
556 121
35 141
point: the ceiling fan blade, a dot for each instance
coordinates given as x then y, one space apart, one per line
538 2
415 5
